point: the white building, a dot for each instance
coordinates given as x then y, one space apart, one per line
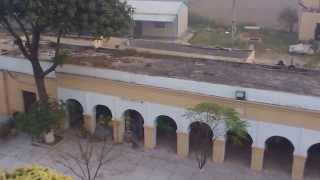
160 19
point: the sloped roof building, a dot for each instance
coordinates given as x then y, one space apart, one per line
161 19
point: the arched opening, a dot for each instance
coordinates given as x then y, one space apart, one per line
75 113
166 132
317 32
200 139
278 155
103 121
134 131
238 151
312 168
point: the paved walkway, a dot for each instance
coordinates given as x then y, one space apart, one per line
128 163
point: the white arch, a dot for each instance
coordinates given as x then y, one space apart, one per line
267 130
156 119
280 137
67 122
139 106
189 129
94 118
95 99
80 96
143 118
316 144
309 138
156 110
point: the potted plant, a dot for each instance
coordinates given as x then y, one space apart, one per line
41 121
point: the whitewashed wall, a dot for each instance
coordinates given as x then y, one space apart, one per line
20 65
220 90
302 139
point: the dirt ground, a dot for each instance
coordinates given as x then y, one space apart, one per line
272 58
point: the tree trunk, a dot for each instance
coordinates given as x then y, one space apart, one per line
41 88
40 81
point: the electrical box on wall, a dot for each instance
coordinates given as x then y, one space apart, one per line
240 95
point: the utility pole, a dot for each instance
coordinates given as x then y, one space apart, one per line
234 22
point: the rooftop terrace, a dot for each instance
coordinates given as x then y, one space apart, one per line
298 81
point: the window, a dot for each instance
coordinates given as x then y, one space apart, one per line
159 25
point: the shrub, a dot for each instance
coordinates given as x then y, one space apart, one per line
5 130
34 173
42 118
214 116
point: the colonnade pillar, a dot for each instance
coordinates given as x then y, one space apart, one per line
88 123
117 131
182 144
150 135
257 155
298 167
219 147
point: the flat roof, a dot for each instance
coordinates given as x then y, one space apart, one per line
266 77
174 47
154 18
160 11
297 81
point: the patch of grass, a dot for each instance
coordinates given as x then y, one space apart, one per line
216 37
313 61
278 41
209 33
197 21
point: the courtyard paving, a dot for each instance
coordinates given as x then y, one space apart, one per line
128 163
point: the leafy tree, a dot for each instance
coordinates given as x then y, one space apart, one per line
288 17
42 118
220 120
27 20
32 173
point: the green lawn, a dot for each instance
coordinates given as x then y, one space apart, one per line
277 40
313 61
271 39
215 37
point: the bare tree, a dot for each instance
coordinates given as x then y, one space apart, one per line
87 160
213 122
288 18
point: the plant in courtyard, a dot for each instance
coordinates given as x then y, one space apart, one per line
32 173
41 119
5 130
87 162
105 120
220 120
27 20
288 17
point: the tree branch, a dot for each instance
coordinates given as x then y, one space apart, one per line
102 157
18 40
23 29
64 163
56 56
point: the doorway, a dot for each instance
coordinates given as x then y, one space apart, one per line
317 32
29 98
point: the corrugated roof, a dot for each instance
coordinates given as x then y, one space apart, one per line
156 18
162 11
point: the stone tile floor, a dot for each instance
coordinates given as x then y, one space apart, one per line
128 163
